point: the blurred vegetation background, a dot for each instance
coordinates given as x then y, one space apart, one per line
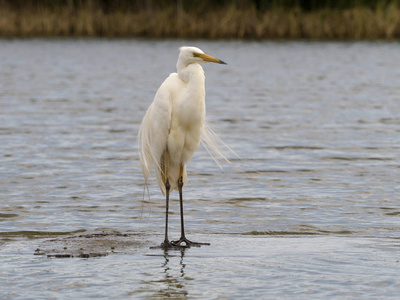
251 19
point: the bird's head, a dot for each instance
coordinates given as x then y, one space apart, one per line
190 55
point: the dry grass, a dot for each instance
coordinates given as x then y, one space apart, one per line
356 23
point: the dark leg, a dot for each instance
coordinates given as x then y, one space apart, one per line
183 238
166 243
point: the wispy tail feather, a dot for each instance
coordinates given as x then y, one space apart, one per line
214 145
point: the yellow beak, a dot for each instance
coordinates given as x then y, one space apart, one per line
209 58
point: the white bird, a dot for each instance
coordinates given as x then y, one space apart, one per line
172 129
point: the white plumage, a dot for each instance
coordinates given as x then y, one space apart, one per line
174 124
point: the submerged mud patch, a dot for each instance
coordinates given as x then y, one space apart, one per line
95 244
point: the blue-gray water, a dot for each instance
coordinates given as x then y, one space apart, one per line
311 210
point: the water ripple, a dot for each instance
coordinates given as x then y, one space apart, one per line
310 210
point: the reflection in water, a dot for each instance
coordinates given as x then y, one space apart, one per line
182 269
172 282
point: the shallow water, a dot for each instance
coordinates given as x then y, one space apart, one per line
310 210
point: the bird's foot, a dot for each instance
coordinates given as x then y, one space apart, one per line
187 243
181 243
166 245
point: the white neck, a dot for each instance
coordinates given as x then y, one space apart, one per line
191 72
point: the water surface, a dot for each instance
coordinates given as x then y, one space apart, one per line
311 208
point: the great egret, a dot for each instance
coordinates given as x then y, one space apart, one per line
172 129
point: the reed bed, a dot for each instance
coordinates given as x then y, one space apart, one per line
231 22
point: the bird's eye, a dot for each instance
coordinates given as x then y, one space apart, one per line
195 54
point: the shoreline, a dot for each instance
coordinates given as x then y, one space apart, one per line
231 23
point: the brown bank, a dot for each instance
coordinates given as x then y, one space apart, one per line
200 19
